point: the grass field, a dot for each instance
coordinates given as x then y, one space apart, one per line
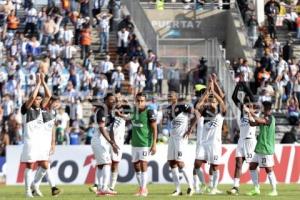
156 191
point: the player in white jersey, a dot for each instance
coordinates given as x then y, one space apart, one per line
210 142
102 142
48 140
247 140
118 134
34 130
178 114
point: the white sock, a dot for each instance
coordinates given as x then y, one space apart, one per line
199 172
144 180
96 182
254 177
272 180
106 176
39 175
196 182
113 179
211 181
28 179
236 182
175 176
139 178
50 178
99 178
216 175
187 178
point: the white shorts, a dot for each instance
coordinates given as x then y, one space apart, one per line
140 154
209 153
101 150
176 149
264 160
245 149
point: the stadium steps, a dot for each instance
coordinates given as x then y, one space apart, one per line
283 34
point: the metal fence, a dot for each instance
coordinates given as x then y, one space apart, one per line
187 51
142 23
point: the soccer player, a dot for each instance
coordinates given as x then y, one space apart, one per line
118 134
178 114
144 136
33 149
211 149
247 140
264 150
49 132
101 143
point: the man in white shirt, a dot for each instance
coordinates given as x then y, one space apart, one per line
54 50
31 19
106 68
66 35
67 52
104 30
117 79
123 41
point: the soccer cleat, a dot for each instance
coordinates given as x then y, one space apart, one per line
273 193
203 188
254 192
106 192
176 193
93 188
138 193
213 191
29 194
233 191
36 191
113 191
144 192
190 192
55 191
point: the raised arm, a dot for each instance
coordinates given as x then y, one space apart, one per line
217 87
47 91
34 94
235 99
221 102
153 126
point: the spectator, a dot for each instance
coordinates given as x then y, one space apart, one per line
4 141
100 86
48 30
272 9
7 106
289 137
54 51
279 92
290 20
67 51
159 76
287 51
104 30
252 29
123 36
139 81
127 24
132 67
66 35
296 83
184 80
33 47
31 19
85 40
75 135
117 79
12 22
106 67
293 110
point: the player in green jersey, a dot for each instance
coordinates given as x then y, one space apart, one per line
264 150
144 135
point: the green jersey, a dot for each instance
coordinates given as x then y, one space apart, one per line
266 138
142 135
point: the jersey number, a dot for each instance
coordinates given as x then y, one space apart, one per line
145 153
249 155
179 153
263 161
215 157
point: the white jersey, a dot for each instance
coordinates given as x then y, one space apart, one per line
200 128
179 125
246 131
213 130
119 129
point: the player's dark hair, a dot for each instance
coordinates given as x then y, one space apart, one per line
140 94
267 105
108 95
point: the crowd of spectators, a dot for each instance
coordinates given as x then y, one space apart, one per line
276 74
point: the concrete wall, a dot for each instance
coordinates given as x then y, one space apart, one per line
236 40
187 24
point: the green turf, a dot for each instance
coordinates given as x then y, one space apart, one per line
156 191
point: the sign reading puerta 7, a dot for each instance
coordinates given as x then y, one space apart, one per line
76 165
